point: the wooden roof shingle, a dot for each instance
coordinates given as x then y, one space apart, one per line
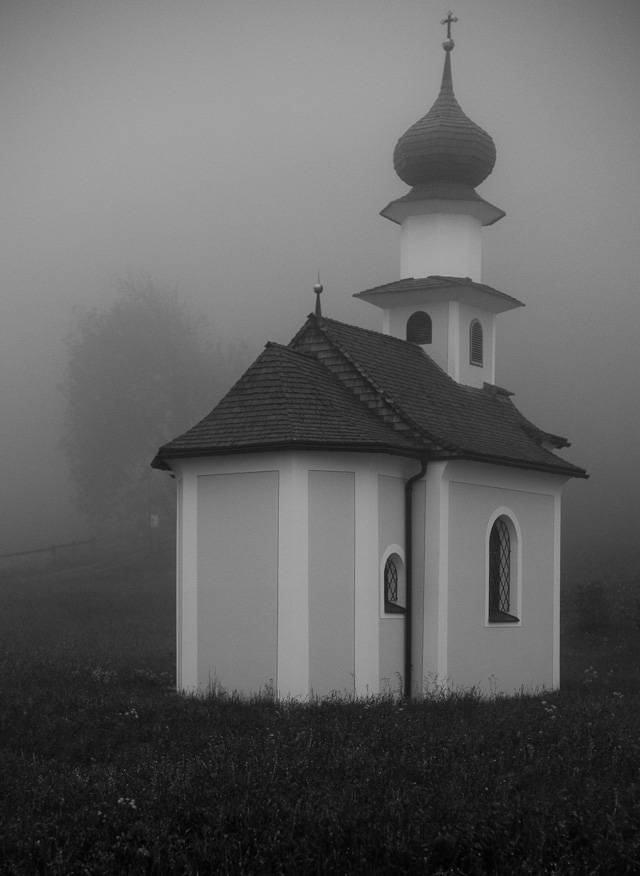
286 399
462 420
341 387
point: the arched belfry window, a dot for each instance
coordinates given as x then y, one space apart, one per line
501 575
419 328
475 343
394 585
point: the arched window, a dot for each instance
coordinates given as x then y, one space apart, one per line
475 343
501 581
419 328
394 585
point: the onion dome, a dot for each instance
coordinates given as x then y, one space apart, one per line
445 145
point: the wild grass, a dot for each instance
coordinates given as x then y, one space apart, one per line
103 770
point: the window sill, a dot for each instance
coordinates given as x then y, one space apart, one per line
502 617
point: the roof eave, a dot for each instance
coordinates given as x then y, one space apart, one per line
162 459
568 470
420 290
426 296
400 209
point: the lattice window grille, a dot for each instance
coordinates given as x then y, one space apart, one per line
499 567
390 582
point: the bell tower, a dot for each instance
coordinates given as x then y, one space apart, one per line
440 302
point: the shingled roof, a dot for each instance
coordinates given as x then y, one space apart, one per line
340 387
287 399
436 286
459 420
445 145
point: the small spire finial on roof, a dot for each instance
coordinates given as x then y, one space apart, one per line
318 290
448 44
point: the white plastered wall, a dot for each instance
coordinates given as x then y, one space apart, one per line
461 649
331 582
468 374
391 540
192 573
293 671
238 580
395 323
430 666
449 347
293 578
444 244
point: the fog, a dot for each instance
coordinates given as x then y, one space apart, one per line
231 149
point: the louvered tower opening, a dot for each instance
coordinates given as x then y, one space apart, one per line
475 343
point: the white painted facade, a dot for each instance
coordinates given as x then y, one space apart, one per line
281 560
450 345
280 588
443 239
444 244
459 645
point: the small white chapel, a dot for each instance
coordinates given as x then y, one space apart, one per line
367 512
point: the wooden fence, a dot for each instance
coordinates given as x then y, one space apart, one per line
77 553
71 552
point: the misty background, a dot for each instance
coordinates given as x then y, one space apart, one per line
230 149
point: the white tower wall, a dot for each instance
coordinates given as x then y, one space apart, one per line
445 244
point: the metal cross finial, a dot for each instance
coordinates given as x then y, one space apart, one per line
449 21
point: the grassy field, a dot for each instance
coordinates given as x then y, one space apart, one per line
103 770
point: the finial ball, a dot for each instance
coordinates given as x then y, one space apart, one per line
318 287
447 45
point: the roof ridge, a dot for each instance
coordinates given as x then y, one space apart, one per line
392 338
437 441
285 348
420 431
288 395
319 320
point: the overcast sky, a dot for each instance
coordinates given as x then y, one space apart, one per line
232 148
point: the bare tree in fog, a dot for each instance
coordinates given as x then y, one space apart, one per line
138 374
